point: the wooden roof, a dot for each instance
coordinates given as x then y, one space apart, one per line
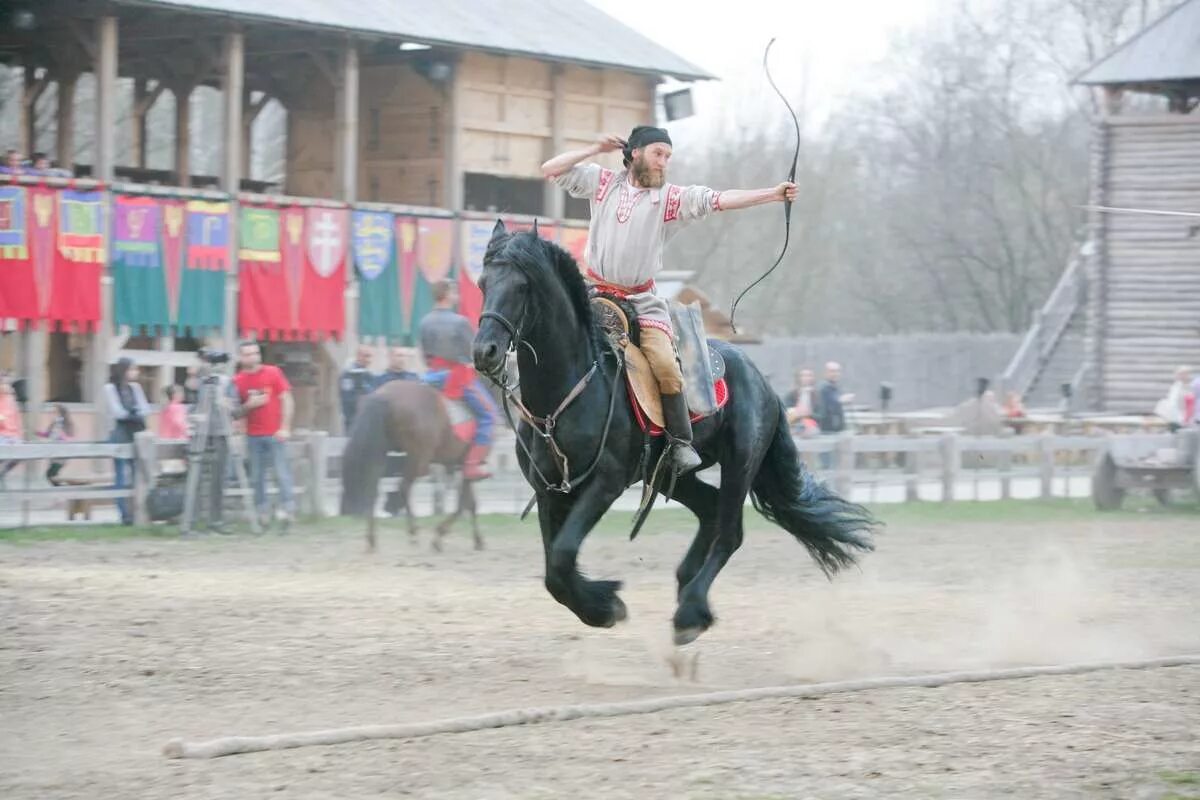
1165 52
555 30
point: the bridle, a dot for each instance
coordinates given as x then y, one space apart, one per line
545 426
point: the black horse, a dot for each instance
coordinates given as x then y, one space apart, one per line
536 303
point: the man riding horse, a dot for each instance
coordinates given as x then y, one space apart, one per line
446 338
634 213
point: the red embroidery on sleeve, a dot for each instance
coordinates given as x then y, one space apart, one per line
606 176
671 211
716 202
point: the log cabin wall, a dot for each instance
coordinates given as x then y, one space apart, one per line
402 137
516 112
512 114
1144 309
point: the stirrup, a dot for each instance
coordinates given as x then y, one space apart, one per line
683 456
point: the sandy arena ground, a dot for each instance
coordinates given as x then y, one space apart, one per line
109 649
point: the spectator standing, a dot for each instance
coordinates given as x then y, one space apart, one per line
10 421
1174 407
356 382
265 393
801 402
398 361
128 409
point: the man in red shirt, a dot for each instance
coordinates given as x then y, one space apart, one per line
264 390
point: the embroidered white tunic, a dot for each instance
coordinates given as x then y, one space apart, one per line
629 228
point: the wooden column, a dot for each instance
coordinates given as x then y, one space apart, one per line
346 157
452 179
183 134
64 148
104 162
233 85
554 203
34 86
140 107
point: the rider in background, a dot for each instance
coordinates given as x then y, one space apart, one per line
446 338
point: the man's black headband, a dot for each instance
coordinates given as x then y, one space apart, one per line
641 136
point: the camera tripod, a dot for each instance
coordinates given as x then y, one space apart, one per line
203 464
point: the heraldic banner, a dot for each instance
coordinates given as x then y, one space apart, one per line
292 274
169 262
52 253
397 292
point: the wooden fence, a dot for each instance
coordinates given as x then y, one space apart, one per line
916 462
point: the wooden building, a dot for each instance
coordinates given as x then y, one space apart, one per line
1143 271
1126 312
450 106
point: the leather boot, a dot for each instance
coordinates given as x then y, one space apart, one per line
475 464
684 457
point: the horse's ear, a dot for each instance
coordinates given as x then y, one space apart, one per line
499 230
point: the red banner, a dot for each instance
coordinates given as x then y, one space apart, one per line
293 272
52 253
18 289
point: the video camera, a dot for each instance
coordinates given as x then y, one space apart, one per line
211 356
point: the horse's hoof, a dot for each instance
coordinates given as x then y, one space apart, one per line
687 635
479 544
437 544
619 612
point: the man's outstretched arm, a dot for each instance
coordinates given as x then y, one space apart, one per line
733 199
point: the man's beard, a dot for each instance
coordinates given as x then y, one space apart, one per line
647 177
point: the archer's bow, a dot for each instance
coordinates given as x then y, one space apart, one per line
787 204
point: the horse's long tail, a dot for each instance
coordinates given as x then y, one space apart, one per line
834 530
365 457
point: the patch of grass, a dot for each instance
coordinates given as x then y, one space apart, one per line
85 533
672 518
1181 778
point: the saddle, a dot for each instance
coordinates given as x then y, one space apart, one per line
703 369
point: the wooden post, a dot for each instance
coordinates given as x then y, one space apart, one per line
64 148
33 369
233 84
1046 462
34 86
104 163
145 471
452 180
1006 474
951 462
346 157
554 200
183 134
318 469
844 464
140 107
912 476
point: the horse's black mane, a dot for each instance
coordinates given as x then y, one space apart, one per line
543 261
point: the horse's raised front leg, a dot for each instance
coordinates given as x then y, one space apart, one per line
594 602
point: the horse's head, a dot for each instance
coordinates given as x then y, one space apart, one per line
506 304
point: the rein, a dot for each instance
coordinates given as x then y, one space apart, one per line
545 426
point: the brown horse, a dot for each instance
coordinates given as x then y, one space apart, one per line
408 417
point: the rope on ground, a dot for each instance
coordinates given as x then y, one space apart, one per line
233 745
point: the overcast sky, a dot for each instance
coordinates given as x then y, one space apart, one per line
835 40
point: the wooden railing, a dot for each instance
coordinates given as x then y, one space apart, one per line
925 466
